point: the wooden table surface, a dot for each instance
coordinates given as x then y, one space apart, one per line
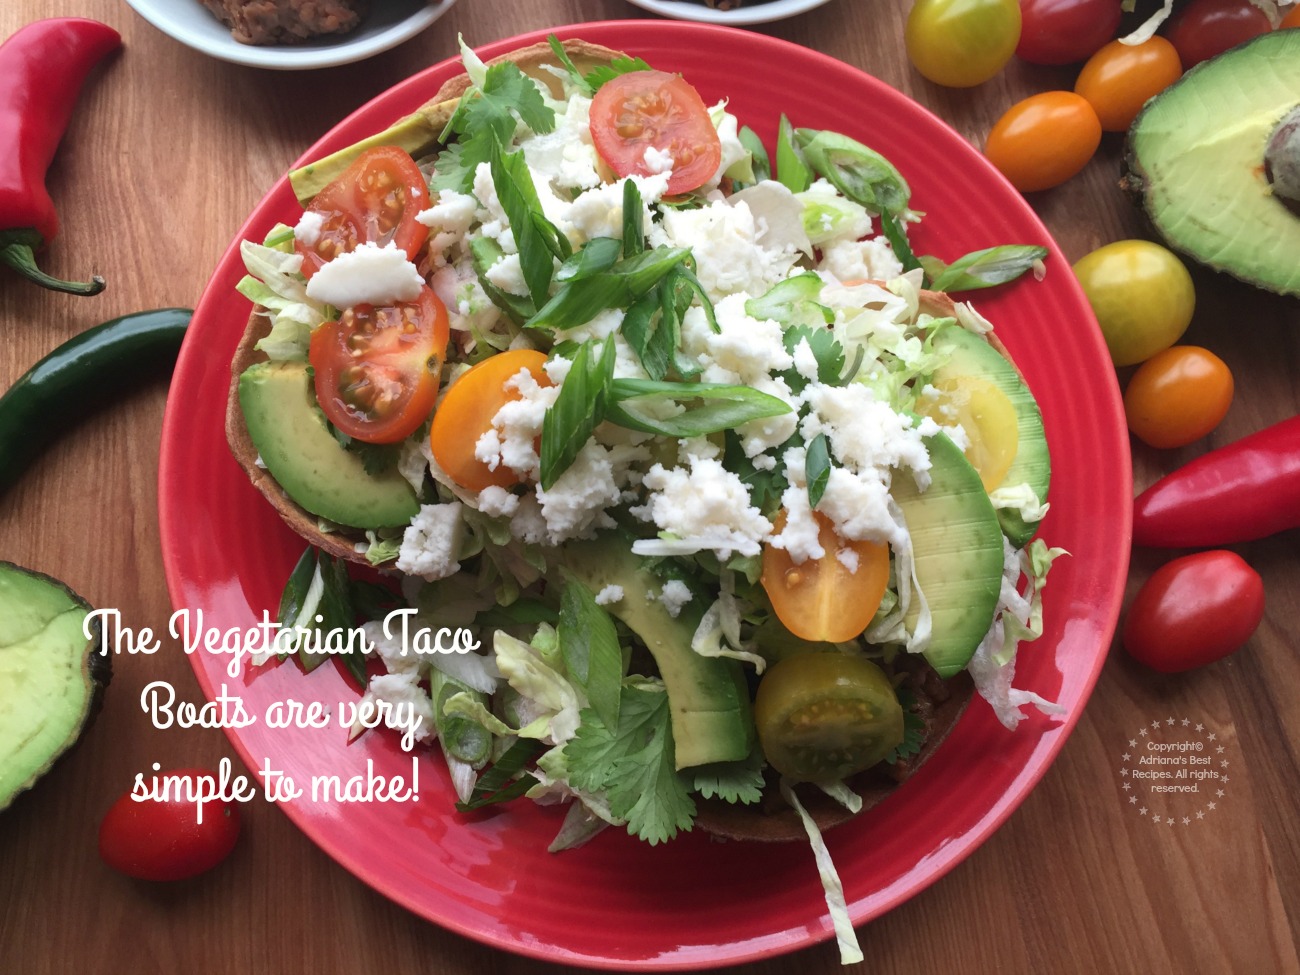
167 153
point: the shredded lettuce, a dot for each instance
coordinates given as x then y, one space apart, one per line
845 936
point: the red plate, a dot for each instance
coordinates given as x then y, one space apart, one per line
693 903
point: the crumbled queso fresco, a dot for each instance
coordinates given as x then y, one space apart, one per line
743 245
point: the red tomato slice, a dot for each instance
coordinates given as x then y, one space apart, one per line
377 368
641 110
374 201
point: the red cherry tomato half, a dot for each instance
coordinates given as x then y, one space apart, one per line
157 839
643 110
378 368
1193 611
1065 31
374 201
1206 28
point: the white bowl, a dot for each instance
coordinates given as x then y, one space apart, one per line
749 12
387 25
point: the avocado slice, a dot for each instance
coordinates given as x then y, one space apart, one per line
291 435
957 546
970 355
708 699
1196 159
51 675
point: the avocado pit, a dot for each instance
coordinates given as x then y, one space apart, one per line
1282 160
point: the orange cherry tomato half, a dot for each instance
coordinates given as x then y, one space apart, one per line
162 839
1178 396
378 367
466 413
824 600
656 110
1119 78
1044 140
375 200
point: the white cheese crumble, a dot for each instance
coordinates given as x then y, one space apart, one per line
367 275
512 439
675 595
705 506
404 695
609 595
658 160
308 228
430 542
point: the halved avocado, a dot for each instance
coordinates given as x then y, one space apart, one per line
970 355
957 546
51 675
1196 159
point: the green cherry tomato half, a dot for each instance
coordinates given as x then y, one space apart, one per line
825 716
962 43
1193 611
1178 396
1142 296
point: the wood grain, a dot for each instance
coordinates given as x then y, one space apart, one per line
167 153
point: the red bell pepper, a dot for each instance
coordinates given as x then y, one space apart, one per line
42 68
1247 490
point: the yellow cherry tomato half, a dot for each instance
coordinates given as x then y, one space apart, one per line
466 413
987 416
1178 396
1119 78
1044 140
830 599
961 43
1142 296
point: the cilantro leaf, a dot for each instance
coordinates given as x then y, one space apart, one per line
765 486
740 781
634 765
827 352
602 73
913 730
485 122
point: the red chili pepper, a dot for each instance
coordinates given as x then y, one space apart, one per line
42 68
1247 490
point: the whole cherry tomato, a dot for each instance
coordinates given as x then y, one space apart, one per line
830 599
961 43
1142 296
1119 78
643 110
378 368
466 413
1206 28
1292 19
1193 611
1044 140
157 839
1178 396
375 200
1065 31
